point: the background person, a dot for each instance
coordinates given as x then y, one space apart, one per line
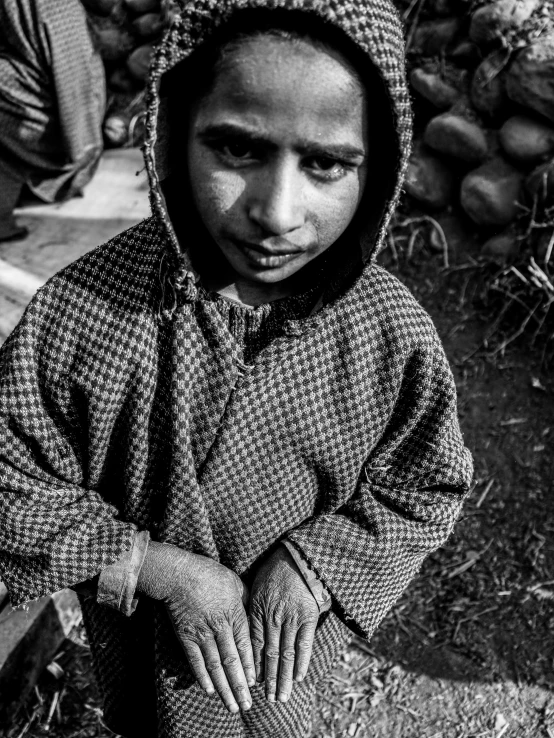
52 103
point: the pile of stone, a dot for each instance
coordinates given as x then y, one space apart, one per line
483 86
125 32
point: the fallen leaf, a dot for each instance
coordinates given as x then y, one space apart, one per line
537 384
513 421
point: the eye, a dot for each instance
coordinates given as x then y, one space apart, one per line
327 168
237 149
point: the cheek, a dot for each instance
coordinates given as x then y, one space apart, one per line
335 212
216 194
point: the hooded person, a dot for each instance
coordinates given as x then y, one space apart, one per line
228 428
52 104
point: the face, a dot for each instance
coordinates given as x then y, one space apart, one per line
277 159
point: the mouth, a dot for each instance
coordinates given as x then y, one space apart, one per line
266 258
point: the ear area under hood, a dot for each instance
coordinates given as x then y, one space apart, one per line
375 29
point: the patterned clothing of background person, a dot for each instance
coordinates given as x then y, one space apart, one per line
231 409
52 102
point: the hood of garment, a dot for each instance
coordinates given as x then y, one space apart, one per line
371 27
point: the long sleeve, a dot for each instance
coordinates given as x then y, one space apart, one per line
55 530
409 495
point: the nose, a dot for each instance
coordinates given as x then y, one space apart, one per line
276 205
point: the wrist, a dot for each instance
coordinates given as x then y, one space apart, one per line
163 570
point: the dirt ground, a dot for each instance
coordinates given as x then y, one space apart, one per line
468 652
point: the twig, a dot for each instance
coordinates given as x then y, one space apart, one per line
414 25
485 493
549 250
55 698
29 723
516 334
392 247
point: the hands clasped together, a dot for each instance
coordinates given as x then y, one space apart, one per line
208 606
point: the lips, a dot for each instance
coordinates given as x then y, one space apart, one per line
264 257
264 251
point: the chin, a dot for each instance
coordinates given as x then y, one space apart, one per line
268 276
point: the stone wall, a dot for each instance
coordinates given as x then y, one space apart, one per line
126 32
482 77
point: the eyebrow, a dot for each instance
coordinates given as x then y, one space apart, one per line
216 131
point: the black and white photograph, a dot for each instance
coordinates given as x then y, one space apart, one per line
276 355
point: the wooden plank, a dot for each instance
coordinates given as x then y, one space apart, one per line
115 200
29 639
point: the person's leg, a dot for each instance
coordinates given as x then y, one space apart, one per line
11 184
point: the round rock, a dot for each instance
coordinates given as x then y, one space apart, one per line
530 79
149 25
429 180
138 62
456 136
466 54
121 81
114 44
492 21
143 6
116 131
432 37
490 194
503 246
527 140
433 88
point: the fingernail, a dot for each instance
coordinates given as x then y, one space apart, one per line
271 698
283 697
233 707
251 682
246 705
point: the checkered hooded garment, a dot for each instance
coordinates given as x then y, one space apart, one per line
127 402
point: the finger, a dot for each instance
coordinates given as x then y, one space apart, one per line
215 669
271 661
243 644
232 666
286 661
304 644
257 640
196 663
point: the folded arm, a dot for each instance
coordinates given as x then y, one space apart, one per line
409 495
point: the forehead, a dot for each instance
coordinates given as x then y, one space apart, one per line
285 84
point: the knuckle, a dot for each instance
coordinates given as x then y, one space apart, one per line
275 618
230 661
212 666
272 655
288 654
217 622
196 662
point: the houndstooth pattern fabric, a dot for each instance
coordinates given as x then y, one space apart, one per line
52 100
341 436
224 430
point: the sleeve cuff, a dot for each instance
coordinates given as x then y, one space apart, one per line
320 593
117 583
